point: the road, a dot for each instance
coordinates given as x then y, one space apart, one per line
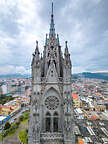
14 118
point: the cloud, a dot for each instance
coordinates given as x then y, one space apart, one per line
9 69
104 71
17 48
5 50
83 23
78 69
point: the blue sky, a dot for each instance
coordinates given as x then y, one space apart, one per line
83 23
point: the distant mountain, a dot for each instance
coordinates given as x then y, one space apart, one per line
15 76
103 75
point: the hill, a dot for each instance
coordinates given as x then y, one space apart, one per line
103 76
15 76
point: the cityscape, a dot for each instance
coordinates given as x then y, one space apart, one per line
90 101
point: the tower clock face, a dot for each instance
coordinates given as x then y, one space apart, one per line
52 102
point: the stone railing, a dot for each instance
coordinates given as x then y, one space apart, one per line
48 136
43 79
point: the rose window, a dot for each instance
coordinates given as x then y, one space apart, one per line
51 102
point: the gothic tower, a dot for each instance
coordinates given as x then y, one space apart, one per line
51 118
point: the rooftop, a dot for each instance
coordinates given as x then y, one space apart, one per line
75 96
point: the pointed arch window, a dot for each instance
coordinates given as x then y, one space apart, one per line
48 54
48 122
55 122
52 73
48 63
52 47
54 63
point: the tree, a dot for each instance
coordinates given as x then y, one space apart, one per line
21 118
7 125
23 136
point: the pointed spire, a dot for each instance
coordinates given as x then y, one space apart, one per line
66 43
67 55
41 55
46 41
36 44
52 8
66 49
52 29
37 49
57 39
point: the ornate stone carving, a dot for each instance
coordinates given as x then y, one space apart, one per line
51 102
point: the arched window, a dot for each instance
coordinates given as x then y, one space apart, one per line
52 47
52 73
48 63
48 122
55 122
54 63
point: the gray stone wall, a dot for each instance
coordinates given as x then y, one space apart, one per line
51 117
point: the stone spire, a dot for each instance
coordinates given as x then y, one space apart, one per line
57 40
37 48
46 41
66 49
52 29
67 55
51 99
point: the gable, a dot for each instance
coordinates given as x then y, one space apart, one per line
52 75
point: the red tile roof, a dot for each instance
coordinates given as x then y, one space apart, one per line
75 96
1 106
94 117
98 93
80 141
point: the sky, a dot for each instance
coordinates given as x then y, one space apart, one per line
83 23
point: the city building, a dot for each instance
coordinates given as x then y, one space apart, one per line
4 89
51 119
76 100
5 110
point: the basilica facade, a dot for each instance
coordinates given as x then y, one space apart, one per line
51 119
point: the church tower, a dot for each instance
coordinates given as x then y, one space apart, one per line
51 119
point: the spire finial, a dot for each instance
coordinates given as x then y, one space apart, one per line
37 49
46 36
66 49
57 39
46 39
41 55
36 44
52 29
66 43
52 8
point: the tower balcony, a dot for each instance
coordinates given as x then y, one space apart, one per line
43 79
51 136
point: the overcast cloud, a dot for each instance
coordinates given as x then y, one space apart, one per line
83 23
